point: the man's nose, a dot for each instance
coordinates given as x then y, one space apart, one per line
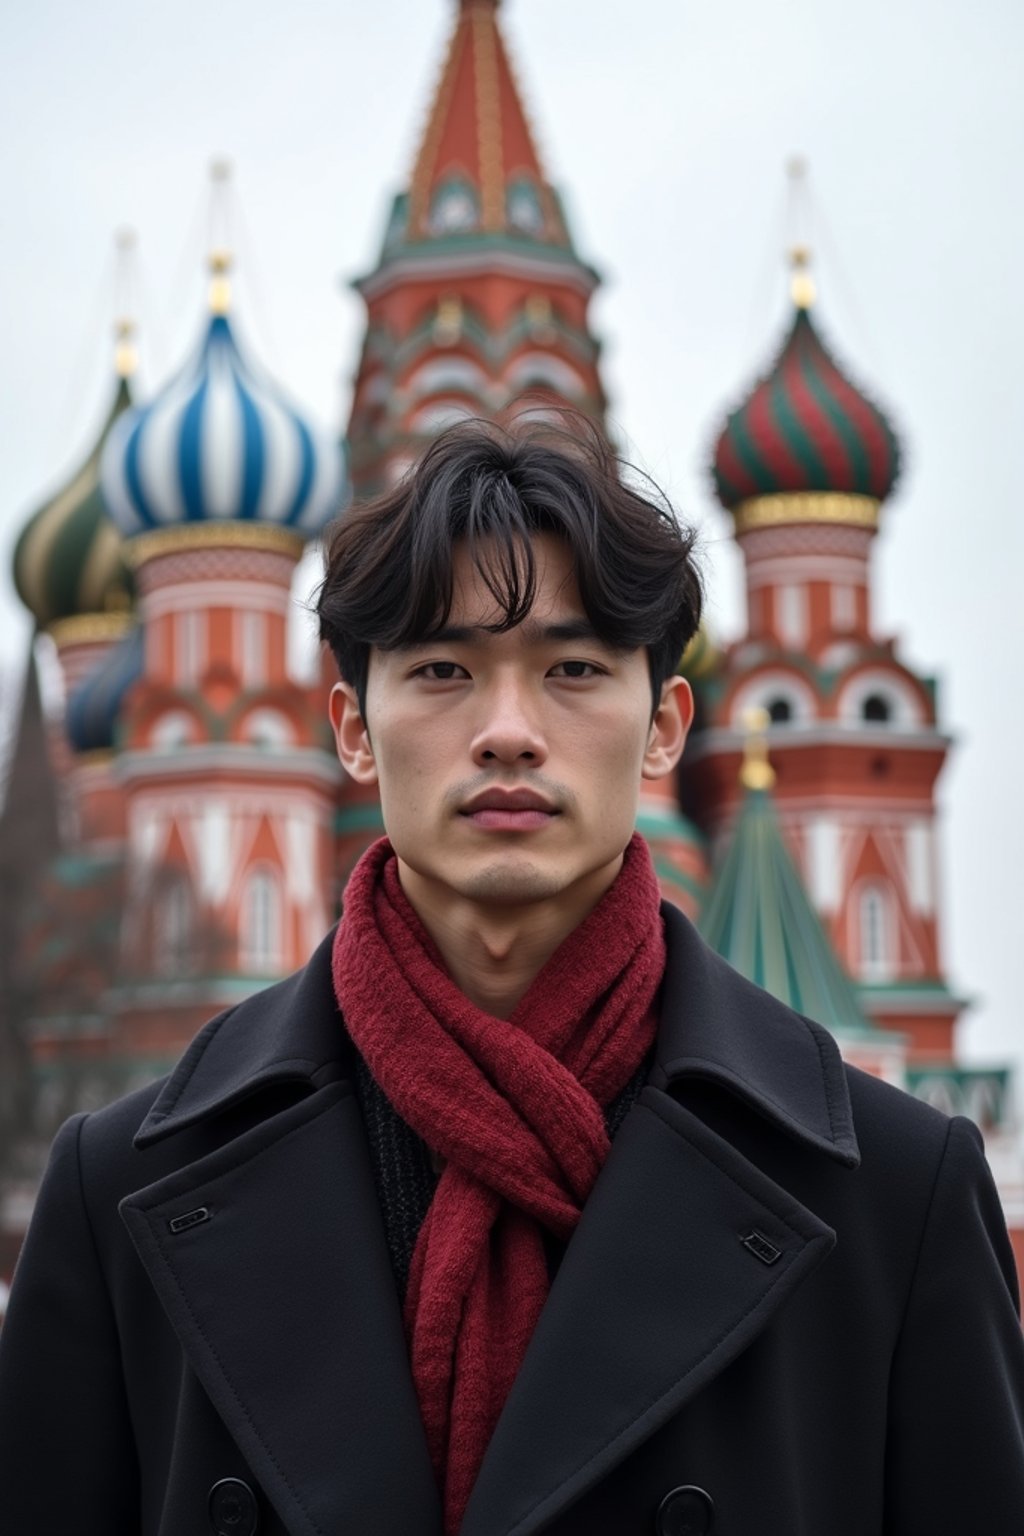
509 729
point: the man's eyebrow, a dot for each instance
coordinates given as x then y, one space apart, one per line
533 631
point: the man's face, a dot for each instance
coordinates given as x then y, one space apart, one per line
509 765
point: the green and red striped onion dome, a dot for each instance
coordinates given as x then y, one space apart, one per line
805 428
67 560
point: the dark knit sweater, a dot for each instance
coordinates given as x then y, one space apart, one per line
405 1175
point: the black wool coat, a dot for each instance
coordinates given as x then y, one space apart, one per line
789 1308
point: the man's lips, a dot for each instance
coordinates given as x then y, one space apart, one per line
508 800
509 810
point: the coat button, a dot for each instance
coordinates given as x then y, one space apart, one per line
233 1508
686 1511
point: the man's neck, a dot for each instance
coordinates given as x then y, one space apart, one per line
493 953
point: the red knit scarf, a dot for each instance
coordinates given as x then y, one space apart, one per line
514 1108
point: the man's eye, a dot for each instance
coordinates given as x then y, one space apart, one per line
440 671
576 669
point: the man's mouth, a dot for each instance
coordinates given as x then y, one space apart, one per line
510 810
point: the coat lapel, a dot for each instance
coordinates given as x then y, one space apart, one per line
269 1257
685 1250
683 1254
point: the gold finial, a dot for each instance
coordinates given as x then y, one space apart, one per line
126 354
220 282
801 283
757 772
220 259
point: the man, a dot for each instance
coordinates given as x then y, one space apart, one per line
517 1210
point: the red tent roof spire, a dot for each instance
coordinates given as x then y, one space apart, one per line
477 164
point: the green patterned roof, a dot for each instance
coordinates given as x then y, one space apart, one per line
760 918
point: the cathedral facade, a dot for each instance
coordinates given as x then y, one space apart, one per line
203 828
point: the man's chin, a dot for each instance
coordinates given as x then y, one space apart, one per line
511 879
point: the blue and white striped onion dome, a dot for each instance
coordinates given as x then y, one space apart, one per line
221 443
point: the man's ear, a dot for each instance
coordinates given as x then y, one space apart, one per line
351 737
667 736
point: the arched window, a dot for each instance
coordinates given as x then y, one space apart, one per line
173 947
438 416
877 697
268 728
543 370
786 696
447 373
453 209
875 931
523 207
262 922
173 729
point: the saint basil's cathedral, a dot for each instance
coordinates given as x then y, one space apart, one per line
183 834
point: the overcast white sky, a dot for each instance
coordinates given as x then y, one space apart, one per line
667 124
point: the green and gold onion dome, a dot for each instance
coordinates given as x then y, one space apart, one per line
68 561
805 433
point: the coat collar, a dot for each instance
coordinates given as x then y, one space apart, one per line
289 1032
714 1025
685 1252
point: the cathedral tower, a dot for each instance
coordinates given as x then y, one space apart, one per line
478 306
227 772
479 296
804 466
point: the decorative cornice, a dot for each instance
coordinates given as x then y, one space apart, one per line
165 541
96 763
493 347
797 540
796 735
486 255
170 582
89 628
243 759
923 998
806 507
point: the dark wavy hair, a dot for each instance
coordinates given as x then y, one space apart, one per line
389 575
